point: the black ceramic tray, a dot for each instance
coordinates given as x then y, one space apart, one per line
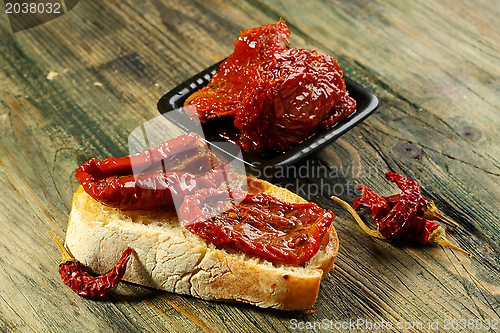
170 106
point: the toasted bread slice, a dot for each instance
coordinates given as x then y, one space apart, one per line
169 257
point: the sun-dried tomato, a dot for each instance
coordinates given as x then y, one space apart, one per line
259 224
278 96
155 177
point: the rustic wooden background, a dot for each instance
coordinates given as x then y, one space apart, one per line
435 66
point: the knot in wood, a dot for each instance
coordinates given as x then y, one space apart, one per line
408 150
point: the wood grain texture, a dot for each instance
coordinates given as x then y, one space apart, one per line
435 67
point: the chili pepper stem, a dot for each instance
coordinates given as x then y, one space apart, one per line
361 223
438 237
433 213
64 253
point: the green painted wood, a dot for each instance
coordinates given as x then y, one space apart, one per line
435 67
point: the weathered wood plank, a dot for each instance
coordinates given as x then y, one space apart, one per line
434 66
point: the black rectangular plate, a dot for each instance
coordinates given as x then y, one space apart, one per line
170 106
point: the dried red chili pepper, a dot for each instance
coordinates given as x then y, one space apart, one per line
259 224
405 209
427 208
80 281
379 206
153 178
401 216
277 95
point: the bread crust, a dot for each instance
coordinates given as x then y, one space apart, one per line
169 257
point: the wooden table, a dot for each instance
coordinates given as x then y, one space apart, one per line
434 66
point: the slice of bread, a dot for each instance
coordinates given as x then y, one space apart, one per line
169 257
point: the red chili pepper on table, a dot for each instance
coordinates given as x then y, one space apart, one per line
380 206
403 216
155 177
259 224
83 283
